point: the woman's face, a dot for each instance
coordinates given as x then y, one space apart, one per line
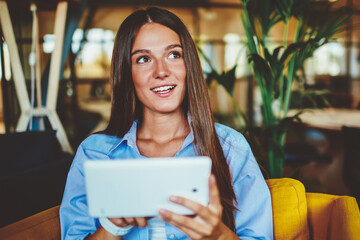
158 68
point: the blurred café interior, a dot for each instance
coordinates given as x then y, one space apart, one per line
55 65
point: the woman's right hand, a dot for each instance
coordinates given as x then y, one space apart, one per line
133 221
102 233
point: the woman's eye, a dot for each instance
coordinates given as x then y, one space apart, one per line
142 59
175 55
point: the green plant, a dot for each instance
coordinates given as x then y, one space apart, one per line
275 70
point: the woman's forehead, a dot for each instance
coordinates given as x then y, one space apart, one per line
154 35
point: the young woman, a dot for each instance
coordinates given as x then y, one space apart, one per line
160 108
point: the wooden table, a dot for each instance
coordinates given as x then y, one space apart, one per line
329 118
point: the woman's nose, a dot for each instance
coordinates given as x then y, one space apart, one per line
161 70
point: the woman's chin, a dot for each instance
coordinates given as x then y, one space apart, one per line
167 109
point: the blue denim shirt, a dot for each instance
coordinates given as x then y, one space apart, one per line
253 220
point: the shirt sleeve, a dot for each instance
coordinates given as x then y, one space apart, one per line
75 221
254 215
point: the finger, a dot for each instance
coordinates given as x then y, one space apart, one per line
197 208
189 232
131 221
120 222
141 222
214 196
206 214
186 224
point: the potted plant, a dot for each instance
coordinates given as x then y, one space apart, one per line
276 69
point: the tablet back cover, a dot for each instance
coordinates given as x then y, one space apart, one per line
140 187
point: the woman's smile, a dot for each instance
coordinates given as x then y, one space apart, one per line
164 90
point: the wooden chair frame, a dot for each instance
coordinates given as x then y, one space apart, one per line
49 110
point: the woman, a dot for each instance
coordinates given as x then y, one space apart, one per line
160 108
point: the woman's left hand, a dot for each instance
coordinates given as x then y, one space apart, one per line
206 223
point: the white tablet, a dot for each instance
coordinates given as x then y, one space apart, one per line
140 187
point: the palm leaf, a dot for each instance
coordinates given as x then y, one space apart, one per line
210 76
265 13
317 98
284 8
290 50
262 67
227 79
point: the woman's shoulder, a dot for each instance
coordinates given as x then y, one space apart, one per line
100 142
229 136
237 152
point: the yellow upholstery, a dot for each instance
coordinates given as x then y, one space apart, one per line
300 215
289 209
333 217
297 215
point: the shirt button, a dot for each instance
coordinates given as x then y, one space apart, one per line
172 236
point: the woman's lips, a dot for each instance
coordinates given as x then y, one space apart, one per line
163 91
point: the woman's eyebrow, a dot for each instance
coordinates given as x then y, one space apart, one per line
140 51
171 46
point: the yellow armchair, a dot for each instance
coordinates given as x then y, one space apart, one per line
301 215
297 215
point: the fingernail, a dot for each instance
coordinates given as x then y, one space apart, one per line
173 198
162 213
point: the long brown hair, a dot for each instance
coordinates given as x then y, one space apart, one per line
126 107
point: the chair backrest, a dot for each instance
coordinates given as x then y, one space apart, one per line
44 225
289 209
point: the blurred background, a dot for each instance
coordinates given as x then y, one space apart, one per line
318 141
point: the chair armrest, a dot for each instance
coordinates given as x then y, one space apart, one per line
333 217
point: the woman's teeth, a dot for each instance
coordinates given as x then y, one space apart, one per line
163 89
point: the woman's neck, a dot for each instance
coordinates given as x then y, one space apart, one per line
163 128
